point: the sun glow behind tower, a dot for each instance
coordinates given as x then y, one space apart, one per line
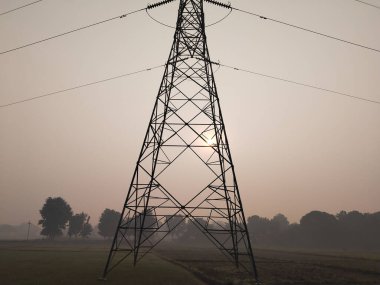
186 135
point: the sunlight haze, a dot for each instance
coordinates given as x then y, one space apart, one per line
295 149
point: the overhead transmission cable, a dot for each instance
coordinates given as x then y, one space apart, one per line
218 64
298 83
369 4
72 31
18 8
228 6
307 30
81 86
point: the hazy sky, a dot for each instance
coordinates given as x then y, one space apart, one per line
295 149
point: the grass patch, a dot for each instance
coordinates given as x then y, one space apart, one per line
36 264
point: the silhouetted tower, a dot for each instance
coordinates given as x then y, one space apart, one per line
186 118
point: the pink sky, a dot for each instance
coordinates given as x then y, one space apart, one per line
295 149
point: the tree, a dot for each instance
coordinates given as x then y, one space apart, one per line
192 231
319 229
317 221
87 229
108 223
147 222
279 223
259 228
55 214
359 230
76 224
176 224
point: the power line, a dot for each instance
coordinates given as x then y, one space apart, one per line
80 86
301 84
155 67
18 8
305 29
369 4
72 31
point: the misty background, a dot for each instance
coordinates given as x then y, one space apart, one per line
294 149
352 231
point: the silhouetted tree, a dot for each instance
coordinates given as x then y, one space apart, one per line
108 222
319 229
176 224
192 231
279 223
147 222
76 224
86 230
55 214
259 229
346 230
373 233
359 230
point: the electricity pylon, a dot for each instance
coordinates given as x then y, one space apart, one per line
186 118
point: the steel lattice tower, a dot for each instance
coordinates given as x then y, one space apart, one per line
186 118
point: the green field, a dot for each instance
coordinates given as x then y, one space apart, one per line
41 262
68 263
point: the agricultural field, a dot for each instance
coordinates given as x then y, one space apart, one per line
70 263
64 262
283 267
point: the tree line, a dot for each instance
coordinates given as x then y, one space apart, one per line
321 230
57 216
316 229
